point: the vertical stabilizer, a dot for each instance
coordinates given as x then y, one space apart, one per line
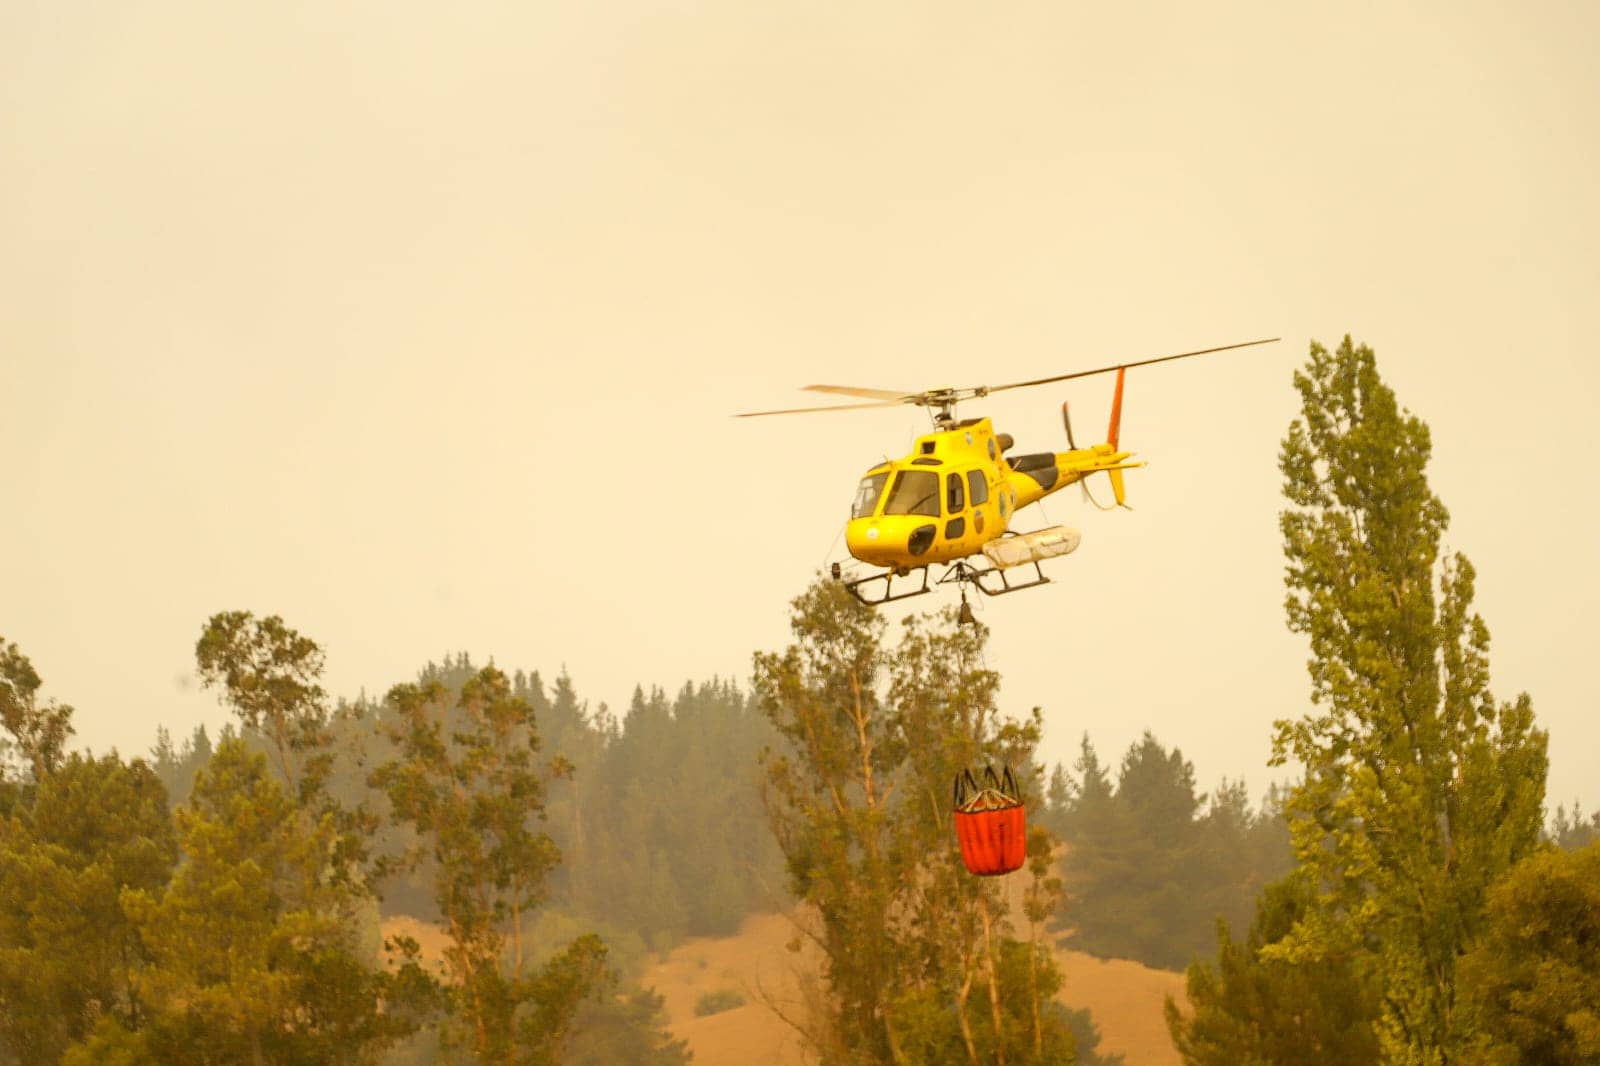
1113 433
1116 409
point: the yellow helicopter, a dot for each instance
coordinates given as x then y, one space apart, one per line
952 501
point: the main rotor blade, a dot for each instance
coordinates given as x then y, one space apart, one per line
1119 366
866 394
810 410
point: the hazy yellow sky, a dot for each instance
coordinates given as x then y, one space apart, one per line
421 324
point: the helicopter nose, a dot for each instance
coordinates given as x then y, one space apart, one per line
889 541
868 540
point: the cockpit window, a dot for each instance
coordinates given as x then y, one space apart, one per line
914 492
867 494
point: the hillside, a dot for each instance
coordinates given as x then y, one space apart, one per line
1124 997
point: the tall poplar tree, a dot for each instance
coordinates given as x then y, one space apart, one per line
1420 789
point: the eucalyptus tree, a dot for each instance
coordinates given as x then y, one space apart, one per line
467 779
38 730
270 675
918 962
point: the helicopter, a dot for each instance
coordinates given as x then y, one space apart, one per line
951 502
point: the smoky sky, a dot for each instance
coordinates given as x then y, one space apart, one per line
422 327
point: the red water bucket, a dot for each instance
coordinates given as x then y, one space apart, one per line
991 824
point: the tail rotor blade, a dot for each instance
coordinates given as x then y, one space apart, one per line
1066 421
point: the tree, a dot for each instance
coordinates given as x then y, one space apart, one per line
1572 830
468 795
38 731
254 953
1152 863
68 953
1534 979
917 963
1255 1011
1420 789
623 1028
176 766
269 674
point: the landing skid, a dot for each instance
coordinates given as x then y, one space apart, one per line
959 572
862 588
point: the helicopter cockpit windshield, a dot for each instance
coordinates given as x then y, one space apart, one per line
867 495
914 492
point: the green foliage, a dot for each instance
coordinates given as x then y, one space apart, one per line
628 1028
917 963
717 1002
468 795
1534 980
1420 789
1085 1037
177 766
254 945
269 674
1571 831
634 825
633 822
38 732
1255 1011
68 953
1151 864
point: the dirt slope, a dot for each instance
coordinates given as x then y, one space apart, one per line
1124 997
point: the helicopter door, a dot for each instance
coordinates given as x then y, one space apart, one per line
979 486
955 503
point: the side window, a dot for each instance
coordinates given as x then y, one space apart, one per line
955 496
980 487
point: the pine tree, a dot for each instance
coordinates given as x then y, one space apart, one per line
1571 830
1255 1011
255 958
68 953
1420 789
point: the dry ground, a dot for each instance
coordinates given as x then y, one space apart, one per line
1124 997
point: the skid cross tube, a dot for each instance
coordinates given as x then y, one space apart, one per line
964 572
960 572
